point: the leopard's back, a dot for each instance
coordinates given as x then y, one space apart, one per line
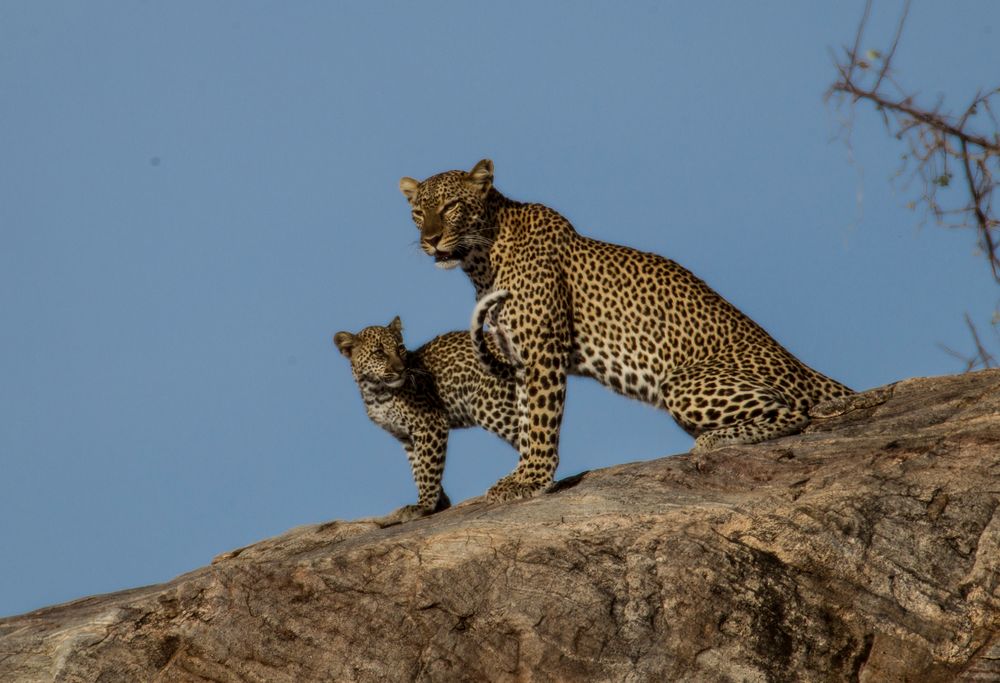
638 316
470 394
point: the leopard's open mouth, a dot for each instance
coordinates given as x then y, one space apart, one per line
449 259
394 381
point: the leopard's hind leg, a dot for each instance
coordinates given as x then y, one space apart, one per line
722 406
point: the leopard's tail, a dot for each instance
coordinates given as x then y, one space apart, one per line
488 348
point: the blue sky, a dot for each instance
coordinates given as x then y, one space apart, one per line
195 196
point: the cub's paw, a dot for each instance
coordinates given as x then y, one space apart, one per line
510 488
444 502
407 513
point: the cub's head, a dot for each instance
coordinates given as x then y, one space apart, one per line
376 353
450 210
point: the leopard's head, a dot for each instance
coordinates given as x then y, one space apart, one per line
451 211
377 354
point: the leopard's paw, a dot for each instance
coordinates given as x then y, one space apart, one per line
407 513
511 488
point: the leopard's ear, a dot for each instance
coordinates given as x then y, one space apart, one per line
344 342
408 186
481 176
396 325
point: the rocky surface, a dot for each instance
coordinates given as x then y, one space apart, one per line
866 549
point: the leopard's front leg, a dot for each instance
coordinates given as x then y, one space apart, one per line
427 455
541 394
426 450
541 346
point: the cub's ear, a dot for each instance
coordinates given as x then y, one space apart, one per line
396 325
344 342
481 176
408 186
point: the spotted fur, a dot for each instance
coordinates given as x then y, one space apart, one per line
419 396
637 322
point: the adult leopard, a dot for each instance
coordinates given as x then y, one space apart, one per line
635 321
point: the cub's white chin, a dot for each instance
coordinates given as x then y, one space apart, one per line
447 265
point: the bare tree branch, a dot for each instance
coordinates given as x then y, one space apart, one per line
982 358
936 140
895 42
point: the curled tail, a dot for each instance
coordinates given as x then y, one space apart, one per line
487 350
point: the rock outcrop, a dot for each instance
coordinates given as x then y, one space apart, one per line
867 548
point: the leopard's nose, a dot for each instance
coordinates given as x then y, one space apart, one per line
432 240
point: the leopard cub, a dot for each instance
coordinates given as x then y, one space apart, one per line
419 396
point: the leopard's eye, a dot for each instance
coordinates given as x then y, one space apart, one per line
451 208
379 353
418 216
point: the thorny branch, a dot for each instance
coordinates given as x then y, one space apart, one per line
937 142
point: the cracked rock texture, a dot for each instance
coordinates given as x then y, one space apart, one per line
867 548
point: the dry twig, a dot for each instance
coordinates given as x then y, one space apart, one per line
937 141
981 359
